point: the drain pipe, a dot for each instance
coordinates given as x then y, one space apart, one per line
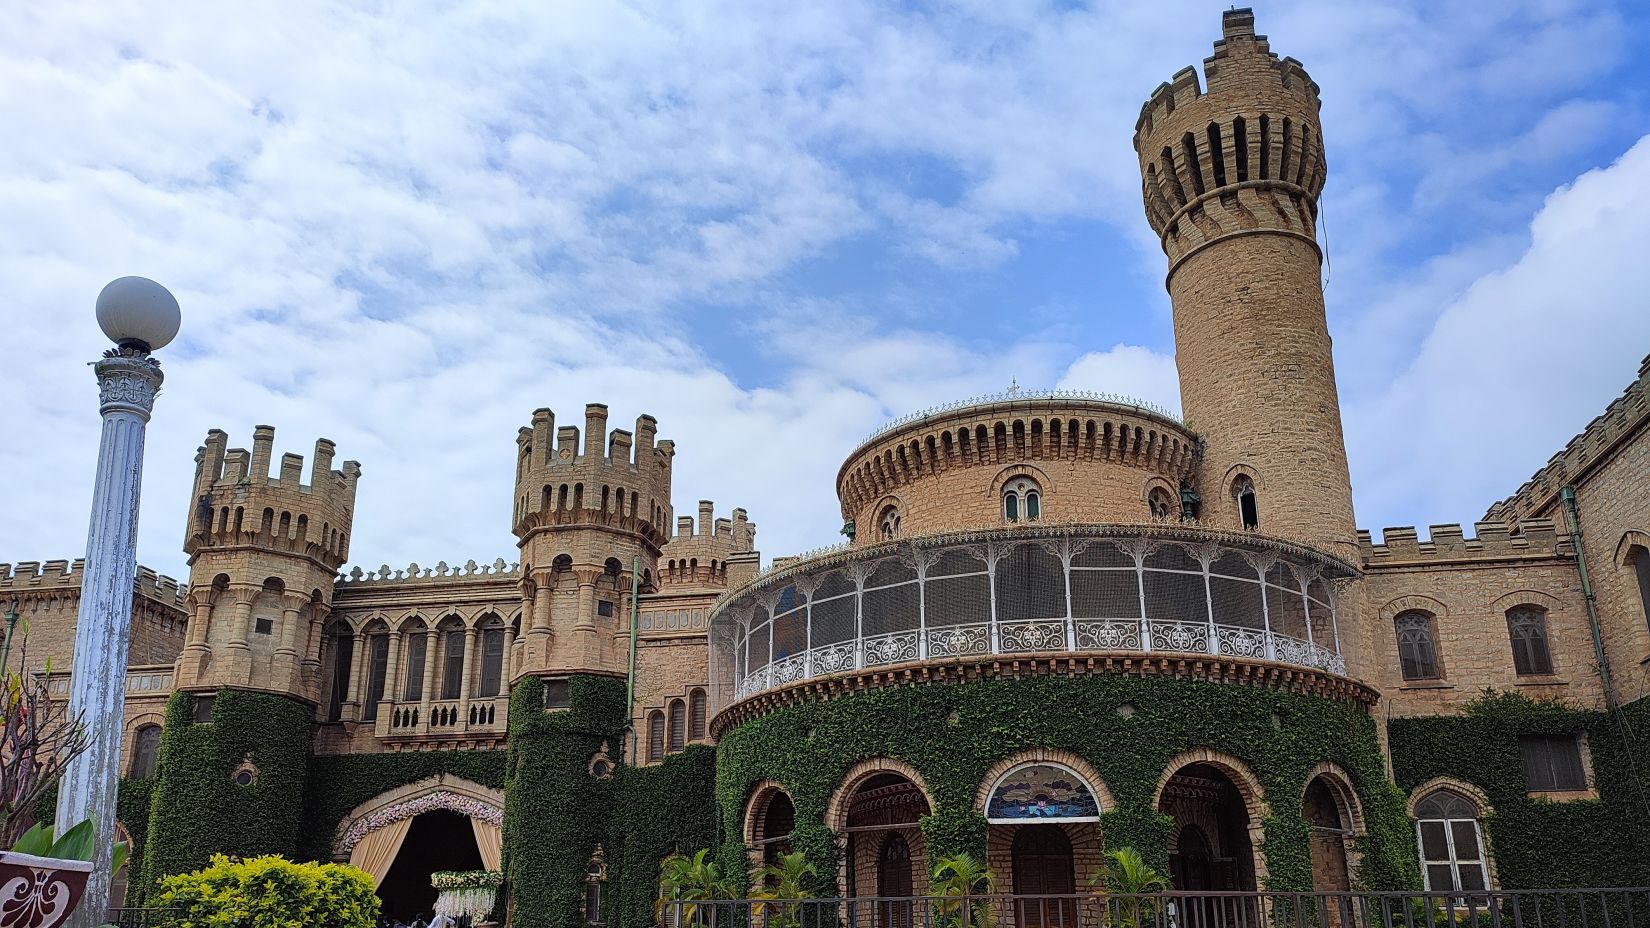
630 674
1568 494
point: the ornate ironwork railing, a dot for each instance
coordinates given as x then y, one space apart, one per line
141 918
1015 592
1559 908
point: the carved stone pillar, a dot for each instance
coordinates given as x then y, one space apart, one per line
241 628
357 679
467 679
427 690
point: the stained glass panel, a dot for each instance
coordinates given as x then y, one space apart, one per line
1041 791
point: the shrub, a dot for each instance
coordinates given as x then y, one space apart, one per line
269 892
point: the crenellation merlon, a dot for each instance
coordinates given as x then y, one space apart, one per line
499 569
618 477
27 577
1449 543
1623 418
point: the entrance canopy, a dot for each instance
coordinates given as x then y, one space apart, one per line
1041 792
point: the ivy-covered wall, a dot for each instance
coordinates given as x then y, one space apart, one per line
953 734
555 812
199 810
1538 843
657 811
339 783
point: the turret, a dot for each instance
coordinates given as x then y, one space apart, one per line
1231 176
263 550
715 554
586 511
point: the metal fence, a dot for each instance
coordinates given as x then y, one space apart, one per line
1558 908
140 918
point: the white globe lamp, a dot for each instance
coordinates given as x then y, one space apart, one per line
137 312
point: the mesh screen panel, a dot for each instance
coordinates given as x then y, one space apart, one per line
834 610
1105 594
956 561
1101 554
1172 557
890 609
958 600
1237 602
1031 584
888 571
1285 607
790 633
1233 564
757 647
1175 597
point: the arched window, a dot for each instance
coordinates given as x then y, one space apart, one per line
452 660
889 523
1243 492
696 715
595 874
1451 843
1022 500
378 666
418 643
492 661
343 658
1161 504
145 751
1417 646
655 736
1527 629
1640 558
678 726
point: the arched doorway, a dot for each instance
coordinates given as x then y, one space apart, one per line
1210 809
894 881
403 836
436 840
877 811
1044 877
1331 872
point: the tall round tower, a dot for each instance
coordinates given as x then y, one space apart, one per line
1231 178
585 516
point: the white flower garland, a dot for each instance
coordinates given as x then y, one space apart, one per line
468 893
464 805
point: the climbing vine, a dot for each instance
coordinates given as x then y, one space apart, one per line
1128 728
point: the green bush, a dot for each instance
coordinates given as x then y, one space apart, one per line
269 892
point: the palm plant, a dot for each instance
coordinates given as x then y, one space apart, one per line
686 884
785 881
1126 873
955 879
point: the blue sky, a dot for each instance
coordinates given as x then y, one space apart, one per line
774 229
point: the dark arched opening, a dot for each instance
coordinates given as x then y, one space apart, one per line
437 840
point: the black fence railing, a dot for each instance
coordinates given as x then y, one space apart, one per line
139 918
1557 908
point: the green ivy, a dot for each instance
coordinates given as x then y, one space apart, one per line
1538 843
131 810
198 810
339 783
658 810
952 735
555 812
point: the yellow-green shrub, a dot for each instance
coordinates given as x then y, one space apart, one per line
269 892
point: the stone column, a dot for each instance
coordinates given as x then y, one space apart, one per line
244 594
286 652
311 651
127 380
467 678
357 678
426 692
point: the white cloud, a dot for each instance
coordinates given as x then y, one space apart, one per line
1127 370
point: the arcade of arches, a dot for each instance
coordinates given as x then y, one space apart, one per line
1043 834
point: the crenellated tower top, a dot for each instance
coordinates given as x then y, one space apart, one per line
712 555
1245 155
263 552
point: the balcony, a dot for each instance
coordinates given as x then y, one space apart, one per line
443 718
1091 589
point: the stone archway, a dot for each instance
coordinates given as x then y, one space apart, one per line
402 836
1218 809
875 813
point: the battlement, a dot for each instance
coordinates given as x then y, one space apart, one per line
699 554
439 574
566 476
1625 415
238 502
1244 155
1495 541
28 578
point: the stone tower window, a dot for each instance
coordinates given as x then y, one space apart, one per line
1527 629
655 736
889 523
1161 504
1418 646
1022 500
1641 566
145 750
678 726
1243 492
1451 843
696 715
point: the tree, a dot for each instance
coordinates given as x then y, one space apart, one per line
687 884
38 737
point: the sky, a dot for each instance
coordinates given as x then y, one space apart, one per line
774 227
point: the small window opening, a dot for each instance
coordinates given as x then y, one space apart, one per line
1552 763
1243 489
889 524
265 625
604 608
557 695
203 709
1022 499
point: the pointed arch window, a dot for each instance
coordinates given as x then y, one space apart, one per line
696 715
655 736
888 523
145 751
678 726
452 664
1527 629
418 642
378 665
1417 646
1022 500
492 661
1640 557
1243 493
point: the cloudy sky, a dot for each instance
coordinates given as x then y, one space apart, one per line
774 227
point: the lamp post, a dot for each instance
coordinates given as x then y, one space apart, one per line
139 316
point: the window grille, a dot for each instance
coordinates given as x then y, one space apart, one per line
1527 629
145 750
1417 647
1451 843
1552 762
655 736
604 608
678 726
696 715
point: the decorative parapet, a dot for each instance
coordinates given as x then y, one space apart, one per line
1401 545
440 573
1621 420
1026 396
53 577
